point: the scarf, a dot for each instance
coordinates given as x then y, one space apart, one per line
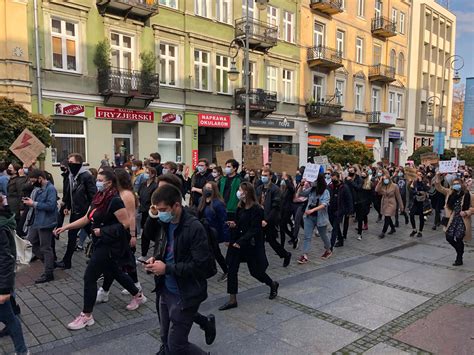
7 220
101 200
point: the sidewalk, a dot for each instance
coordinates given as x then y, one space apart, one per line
396 295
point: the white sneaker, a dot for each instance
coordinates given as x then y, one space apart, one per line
80 322
359 237
125 292
102 296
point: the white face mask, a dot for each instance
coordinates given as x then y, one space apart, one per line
214 174
165 171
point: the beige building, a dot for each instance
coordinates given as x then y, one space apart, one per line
432 41
15 63
355 72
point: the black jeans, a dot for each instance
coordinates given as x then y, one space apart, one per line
271 235
71 241
346 226
175 325
101 263
413 223
284 223
218 255
388 223
336 233
298 213
145 238
457 244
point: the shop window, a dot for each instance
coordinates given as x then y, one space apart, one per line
64 37
69 137
170 143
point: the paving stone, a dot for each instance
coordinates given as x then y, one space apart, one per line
385 350
467 296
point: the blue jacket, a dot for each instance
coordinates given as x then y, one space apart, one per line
216 216
314 199
45 207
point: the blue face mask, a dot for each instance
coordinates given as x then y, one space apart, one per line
379 174
239 195
227 171
400 174
165 217
264 179
147 176
369 172
386 181
457 187
100 186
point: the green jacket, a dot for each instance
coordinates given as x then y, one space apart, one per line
233 200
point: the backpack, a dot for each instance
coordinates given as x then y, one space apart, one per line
211 233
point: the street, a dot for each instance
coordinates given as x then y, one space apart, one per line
392 296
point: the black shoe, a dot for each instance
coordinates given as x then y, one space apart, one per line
44 278
162 350
227 306
457 263
286 260
419 235
16 309
339 244
434 227
4 332
62 265
406 220
381 235
392 231
397 224
296 242
413 233
273 290
210 331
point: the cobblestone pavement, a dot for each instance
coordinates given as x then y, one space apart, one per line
362 300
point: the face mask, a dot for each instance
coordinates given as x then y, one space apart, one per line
100 186
370 172
146 176
265 179
74 168
351 174
134 168
165 171
283 183
207 192
327 176
400 174
200 168
379 174
228 171
252 178
154 165
239 195
457 187
10 172
25 170
335 182
215 174
37 183
386 181
165 217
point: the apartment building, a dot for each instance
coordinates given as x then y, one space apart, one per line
432 41
355 71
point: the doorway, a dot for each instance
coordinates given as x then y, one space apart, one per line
122 148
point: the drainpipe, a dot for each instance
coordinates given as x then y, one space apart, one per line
38 60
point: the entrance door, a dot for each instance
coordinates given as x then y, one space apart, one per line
122 148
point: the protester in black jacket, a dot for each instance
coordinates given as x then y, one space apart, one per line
287 189
145 191
77 198
180 264
354 182
340 205
202 175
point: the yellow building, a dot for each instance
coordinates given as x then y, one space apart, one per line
15 63
354 71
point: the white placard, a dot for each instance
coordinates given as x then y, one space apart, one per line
448 166
462 163
311 172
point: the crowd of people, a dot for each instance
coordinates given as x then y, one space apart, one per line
190 216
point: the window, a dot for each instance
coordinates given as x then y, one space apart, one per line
169 3
288 85
168 64
318 88
377 54
202 8
288 26
375 99
169 142
272 16
121 51
253 13
272 79
201 70
222 81
223 10
359 97
69 136
427 21
340 35
378 8
64 36
399 109
401 64
359 50
318 34
393 58
343 4
401 26
361 8
391 102
394 16
340 91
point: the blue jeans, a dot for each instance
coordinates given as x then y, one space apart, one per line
83 235
13 325
310 222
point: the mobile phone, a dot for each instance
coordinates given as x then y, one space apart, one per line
143 262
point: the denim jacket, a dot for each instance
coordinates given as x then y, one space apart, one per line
45 207
323 217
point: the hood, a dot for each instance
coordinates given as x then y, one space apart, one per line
7 220
82 170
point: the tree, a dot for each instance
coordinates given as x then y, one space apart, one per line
467 154
342 152
416 156
14 118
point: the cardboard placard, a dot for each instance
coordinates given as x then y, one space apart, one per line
311 172
448 166
429 158
284 162
410 173
223 156
27 147
253 156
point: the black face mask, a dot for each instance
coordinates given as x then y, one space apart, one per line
351 174
335 182
74 168
207 193
37 183
251 178
63 169
10 172
154 165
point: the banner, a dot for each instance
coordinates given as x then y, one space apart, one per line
438 145
468 120
284 162
223 156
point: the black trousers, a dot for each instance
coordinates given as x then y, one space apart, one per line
346 226
388 223
218 255
298 218
145 238
71 241
413 223
457 244
336 233
284 223
271 235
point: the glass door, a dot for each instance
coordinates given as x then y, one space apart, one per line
122 148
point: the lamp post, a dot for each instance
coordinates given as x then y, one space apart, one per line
456 63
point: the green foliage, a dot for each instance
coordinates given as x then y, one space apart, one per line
416 157
467 154
148 62
102 55
14 118
342 152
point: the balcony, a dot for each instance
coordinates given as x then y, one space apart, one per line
381 120
262 36
327 7
383 27
381 73
324 57
323 112
140 10
262 102
129 88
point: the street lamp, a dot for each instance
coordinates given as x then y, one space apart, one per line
233 73
456 63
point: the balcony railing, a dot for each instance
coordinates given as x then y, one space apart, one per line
328 7
262 36
323 112
383 27
382 73
261 102
128 87
378 119
140 10
321 56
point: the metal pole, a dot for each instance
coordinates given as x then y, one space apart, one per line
38 60
247 76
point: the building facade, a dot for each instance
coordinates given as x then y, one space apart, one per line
432 41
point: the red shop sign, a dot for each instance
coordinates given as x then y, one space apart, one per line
61 108
213 120
195 158
123 114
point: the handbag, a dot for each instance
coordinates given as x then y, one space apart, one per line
24 250
444 221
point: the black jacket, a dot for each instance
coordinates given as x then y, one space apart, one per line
271 204
7 256
191 256
341 203
79 193
144 195
199 180
355 185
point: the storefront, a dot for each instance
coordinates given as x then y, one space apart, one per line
212 130
170 137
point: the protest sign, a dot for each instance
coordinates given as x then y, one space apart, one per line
27 147
311 172
223 156
253 156
429 158
410 173
284 162
448 166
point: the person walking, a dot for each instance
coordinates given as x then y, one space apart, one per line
362 207
390 200
287 189
458 210
399 179
376 197
202 175
109 221
340 204
315 216
15 192
268 196
228 187
419 190
144 196
7 277
354 182
248 245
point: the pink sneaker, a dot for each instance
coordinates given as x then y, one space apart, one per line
80 322
136 302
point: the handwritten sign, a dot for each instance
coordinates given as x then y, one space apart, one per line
311 172
253 156
284 162
27 147
223 156
448 166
